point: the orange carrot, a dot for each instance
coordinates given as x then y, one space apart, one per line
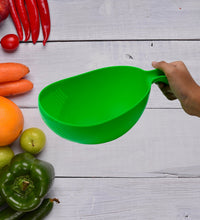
15 88
12 71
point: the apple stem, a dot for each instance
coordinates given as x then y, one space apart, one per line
33 143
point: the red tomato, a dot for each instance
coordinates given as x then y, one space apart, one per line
10 42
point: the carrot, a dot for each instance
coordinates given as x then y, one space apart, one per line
12 71
15 88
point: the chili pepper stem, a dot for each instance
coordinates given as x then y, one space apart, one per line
55 200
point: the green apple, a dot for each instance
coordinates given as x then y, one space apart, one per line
33 140
6 154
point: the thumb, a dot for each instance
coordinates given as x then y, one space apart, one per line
164 66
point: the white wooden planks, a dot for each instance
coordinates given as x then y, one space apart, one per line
60 60
114 20
162 143
127 199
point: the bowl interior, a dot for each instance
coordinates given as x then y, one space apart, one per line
95 97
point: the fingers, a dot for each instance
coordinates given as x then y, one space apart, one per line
176 63
167 91
168 69
164 66
180 81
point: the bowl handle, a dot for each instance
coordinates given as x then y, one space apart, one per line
156 76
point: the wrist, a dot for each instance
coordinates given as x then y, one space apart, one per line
191 104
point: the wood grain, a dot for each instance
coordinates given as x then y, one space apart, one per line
162 142
112 20
150 173
61 60
127 199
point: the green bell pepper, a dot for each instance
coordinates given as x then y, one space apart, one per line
25 182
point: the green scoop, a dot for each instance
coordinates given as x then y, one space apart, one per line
97 106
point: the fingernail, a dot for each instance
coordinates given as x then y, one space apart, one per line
154 63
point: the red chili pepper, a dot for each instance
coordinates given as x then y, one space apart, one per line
21 9
34 19
15 18
45 18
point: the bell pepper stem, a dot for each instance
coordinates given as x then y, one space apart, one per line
25 184
55 200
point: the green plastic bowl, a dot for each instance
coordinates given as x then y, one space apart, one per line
97 106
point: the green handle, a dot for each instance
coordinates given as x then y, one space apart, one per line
157 75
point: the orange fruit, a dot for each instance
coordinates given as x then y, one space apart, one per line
11 121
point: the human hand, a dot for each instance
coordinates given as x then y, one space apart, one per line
181 85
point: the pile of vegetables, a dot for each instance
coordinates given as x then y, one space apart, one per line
12 81
24 183
27 16
24 180
29 13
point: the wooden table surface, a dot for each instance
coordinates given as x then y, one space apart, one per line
152 172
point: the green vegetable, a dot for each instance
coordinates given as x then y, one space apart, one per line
25 182
41 212
10 214
2 201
